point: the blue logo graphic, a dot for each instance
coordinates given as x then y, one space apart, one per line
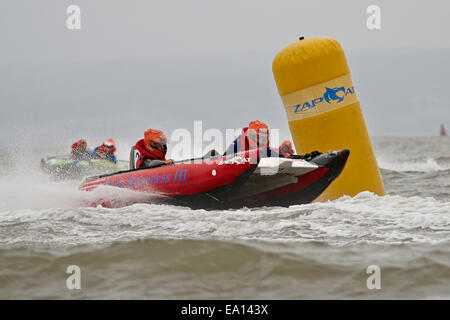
331 95
136 182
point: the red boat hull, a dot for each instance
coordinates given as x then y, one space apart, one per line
220 183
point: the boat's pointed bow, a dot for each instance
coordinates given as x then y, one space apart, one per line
343 155
334 160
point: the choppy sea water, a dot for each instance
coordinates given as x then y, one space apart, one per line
313 251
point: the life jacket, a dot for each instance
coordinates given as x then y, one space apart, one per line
243 141
283 153
102 152
241 144
79 147
245 144
140 153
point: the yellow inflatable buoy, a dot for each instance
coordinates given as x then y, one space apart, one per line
324 113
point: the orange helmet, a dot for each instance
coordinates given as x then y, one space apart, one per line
110 144
155 142
286 148
258 134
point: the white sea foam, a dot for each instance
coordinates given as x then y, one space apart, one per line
426 165
365 218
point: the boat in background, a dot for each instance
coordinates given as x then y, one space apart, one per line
65 167
443 132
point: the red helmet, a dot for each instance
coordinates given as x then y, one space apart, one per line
258 134
156 142
286 148
80 145
110 144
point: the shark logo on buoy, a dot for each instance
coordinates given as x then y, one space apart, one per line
331 95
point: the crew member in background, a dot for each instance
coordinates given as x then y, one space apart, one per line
150 152
285 149
105 151
79 150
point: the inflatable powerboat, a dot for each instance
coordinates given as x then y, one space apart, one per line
220 182
65 167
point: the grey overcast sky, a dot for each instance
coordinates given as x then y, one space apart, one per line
136 64
34 31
